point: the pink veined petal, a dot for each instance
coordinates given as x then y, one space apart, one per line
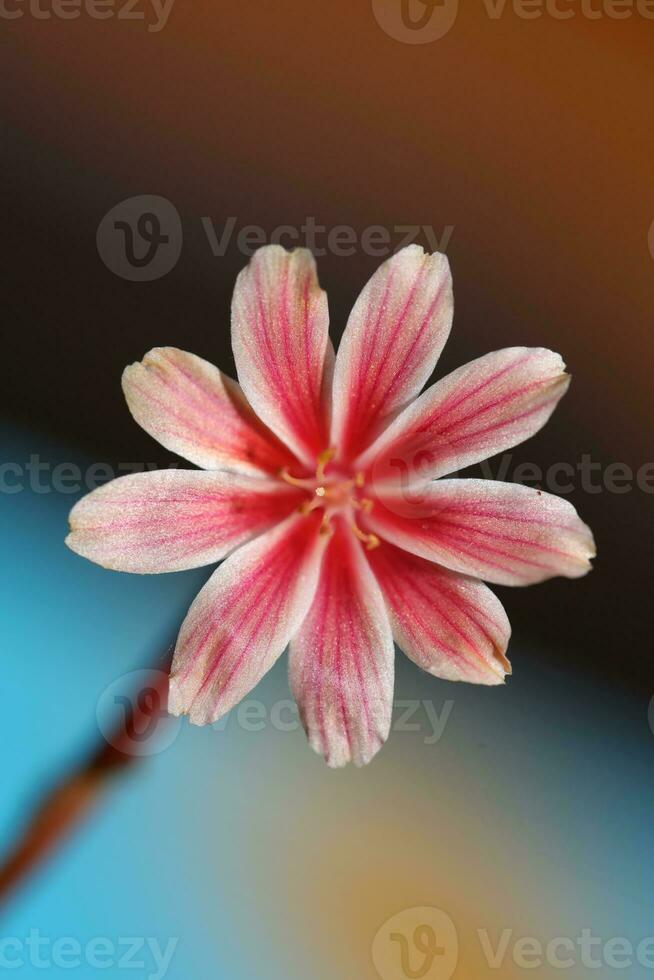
483 408
342 659
394 336
450 625
196 411
501 532
283 355
170 520
243 619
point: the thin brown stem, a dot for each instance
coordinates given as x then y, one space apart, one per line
66 805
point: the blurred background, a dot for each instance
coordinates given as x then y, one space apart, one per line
522 146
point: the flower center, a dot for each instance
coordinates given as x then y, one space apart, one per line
336 493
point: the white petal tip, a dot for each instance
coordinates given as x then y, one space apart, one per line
342 756
197 716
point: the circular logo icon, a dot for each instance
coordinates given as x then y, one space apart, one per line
140 239
132 715
416 21
416 944
403 478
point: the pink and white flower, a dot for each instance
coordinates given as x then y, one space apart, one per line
321 488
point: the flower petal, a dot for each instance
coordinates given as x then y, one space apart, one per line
196 411
342 659
283 355
394 336
483 408
450 625
502 532
243 619
170 520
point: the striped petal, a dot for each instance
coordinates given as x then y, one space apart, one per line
341 661
170 520
281 345
194 410
450 625
483 408
394 336
501 532
243 619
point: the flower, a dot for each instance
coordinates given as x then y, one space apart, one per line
321 488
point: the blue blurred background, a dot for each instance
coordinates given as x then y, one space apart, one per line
523 808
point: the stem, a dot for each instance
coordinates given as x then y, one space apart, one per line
64 807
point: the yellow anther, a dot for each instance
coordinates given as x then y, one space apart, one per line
371 541
325 526
323 459
333 493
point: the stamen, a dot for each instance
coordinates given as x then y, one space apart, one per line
371 541
295 481
326 527
324 458
332 494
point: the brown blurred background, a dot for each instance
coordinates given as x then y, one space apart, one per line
531 138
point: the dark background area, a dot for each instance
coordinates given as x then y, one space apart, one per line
532 138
